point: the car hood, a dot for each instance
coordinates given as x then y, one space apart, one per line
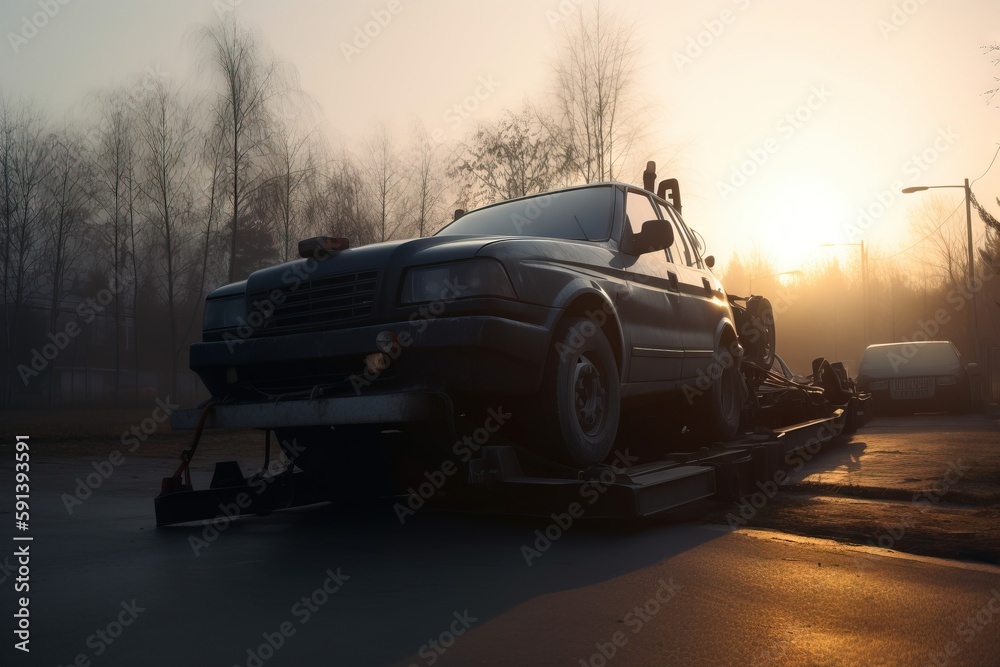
395 255
910 370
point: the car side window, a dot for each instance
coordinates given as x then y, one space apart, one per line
683 250
639 209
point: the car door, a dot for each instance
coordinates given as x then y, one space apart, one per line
701 299
650 311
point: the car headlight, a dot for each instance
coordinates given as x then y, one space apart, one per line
456 280
876 385
224 313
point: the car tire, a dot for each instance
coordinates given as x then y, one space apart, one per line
761 348
580 402
721 406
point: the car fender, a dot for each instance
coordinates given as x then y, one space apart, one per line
726 323
589 296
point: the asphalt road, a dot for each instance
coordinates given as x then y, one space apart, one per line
913 454
322 586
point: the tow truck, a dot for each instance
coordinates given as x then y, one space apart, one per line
592 309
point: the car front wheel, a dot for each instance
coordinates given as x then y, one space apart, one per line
581 396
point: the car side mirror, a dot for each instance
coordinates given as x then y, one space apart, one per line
655 235
972 369
710 261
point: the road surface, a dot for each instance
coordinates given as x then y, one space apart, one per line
322 586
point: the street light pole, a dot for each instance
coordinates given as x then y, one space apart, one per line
972 269
974 315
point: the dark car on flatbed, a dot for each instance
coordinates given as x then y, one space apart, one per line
574 305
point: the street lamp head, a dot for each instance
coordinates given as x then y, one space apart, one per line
916 188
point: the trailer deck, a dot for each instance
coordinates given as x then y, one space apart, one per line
496 481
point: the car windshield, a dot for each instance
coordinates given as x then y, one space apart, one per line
583 214
890 358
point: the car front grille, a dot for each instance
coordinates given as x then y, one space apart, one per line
319 303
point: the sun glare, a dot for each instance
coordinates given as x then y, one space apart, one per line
794 216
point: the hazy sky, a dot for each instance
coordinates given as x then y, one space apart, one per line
782 119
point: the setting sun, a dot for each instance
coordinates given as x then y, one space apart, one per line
792 216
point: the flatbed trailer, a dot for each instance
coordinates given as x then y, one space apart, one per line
496 481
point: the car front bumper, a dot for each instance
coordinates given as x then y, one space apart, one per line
946 397
481 354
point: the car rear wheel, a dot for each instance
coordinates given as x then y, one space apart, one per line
721 406
580 401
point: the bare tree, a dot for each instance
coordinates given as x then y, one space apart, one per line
212 160
736 278
992 50
26 169
68 195
168 133
940 230
8 126
249 78
68 191
345 204
511 157
114 167
597 114
292 163
425 180
381 168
